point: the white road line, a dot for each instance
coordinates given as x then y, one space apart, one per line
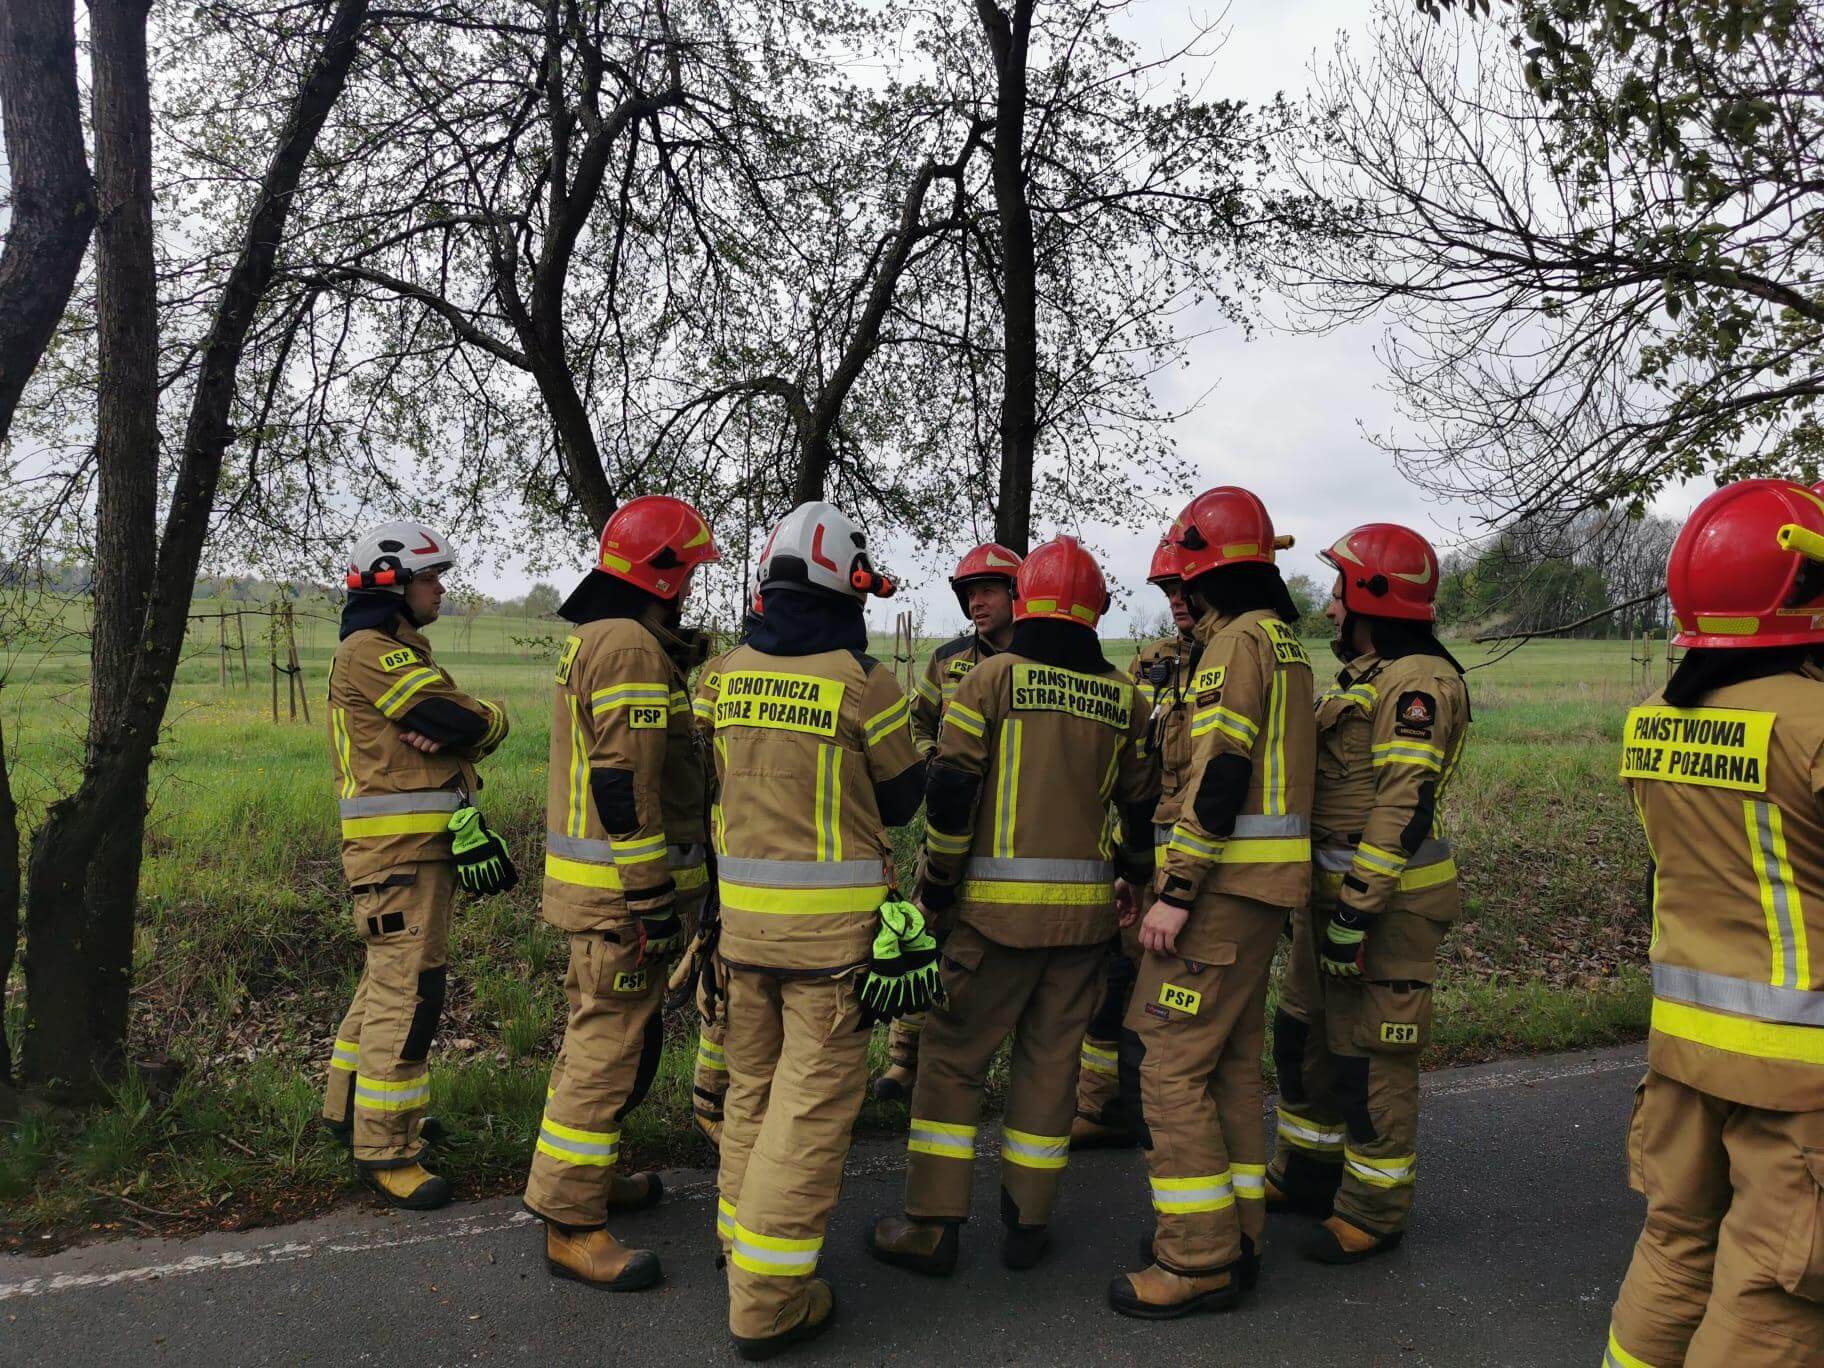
330 1245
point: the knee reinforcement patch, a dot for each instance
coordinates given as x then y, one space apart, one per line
651 1047
1223 790
426 1015
1352 1095
1291 1037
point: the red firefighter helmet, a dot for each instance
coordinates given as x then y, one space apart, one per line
1061 580
654 542
989 561
1223 526
1167 563
1388 571
1748 568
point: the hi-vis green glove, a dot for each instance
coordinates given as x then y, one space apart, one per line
482 862
902 975
1345 933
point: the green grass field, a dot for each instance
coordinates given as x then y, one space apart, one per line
246 954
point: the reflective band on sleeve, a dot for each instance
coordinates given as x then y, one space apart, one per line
390 1095
965 719
711 1055
1361 695
571 1145
1098 1060
638 851
772 1257
1189 843
626 695
1034 1151
680 702
1617 1357
1250 1181
1227 721
1791 954
581 873
1738 1035
927 690
944 843
689 878
1030 894
1183 1196
1409 753
802 902
941 1139
1308 1134
884 723
393 701
1745 997
725 1217
345 1055
1378 861
1431 876
702 709
1380 1173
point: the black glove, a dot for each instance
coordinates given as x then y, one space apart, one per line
1345 935
660 931
483 864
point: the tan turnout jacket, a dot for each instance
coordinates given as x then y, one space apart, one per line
1162 670
949 664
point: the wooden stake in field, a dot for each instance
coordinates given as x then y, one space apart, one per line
272 653
902 651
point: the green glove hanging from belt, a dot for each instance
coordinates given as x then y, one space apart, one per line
902 974
482 863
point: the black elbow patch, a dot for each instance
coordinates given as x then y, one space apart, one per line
445 721
898 798
426 1015
612 790
950 798
1223 790
1137 824
1420 826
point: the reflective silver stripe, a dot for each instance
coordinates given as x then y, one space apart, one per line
1041 1147
801 873
605 1148
579 848
1039 870
1257 825
1333 860
1762 1001
390 804
1163 835
1779 890
686 856
964 1145
785 1259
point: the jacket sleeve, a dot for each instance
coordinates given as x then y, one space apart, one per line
894 764
709 689
1137 783
624 699
413 694
953 785
927 708
1415 728
1229 697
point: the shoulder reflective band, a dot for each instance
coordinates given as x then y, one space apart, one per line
1712 747
1226 720
393 701
1183 1196
1286 647
1360 695
1739 1035
887 721
1047 688
783 702
567 658
1409 751
631 696
965 720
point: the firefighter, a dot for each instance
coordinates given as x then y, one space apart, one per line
623 848
1108 1081
814 753
1238 860
404 741
1727 1135
1036 744
1355 1007
983 585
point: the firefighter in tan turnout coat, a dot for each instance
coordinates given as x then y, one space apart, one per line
1726 769
404 741
624 851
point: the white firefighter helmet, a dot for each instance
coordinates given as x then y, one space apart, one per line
391 555
818 546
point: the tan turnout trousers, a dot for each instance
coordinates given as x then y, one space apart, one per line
797 1073
1202 1024
377 1070
1043 998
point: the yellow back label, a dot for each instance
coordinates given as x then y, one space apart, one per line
1287 650
394 660
568 658
1046 688
1712 747
783 702
1186 1000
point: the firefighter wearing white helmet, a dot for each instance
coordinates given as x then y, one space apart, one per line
814 751
404 742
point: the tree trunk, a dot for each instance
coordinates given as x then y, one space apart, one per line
9 910
1009 40
82 877
53 209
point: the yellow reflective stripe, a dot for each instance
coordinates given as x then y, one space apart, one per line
392 1095
680 701
1408 743
1617 1357
1189 843
711 1055
889 720
965 719
346 1055
1378 861
639 850
1182 1196
828 808
1739 1035
624 695
1250 1182
1227 721
927 690
340 720
1007 787
691 877
1266 850
1027 1150
1381 1173
941 1139
725 1217
573 1145
1098 1060
393 701
1409 753
1428 876
395 824
1780 903
703 708
773 1258
582 874
802 902
576 813
1273 796
1308 1134
943 843
497 723
1029 894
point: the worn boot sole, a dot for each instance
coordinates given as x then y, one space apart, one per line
759 1350
1323 1248
1123 1300
653 1196
430 1196
642 1271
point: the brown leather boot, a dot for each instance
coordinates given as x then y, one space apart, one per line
598 1259
1338 1242
409 1188
709 1128
1156 1294
819 1311
922 1246
1086 1134
895 1085
634 1191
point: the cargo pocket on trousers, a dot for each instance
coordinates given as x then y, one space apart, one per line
957 962
1637 1143
1396 1017
1801 1270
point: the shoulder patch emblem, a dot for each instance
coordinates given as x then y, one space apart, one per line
1416 709
394 660
961 666
568 658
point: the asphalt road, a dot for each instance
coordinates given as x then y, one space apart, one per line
1521 1234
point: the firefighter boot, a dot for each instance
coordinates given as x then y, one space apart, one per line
410 1187
1155 1293
895 1083
1088 1134
819 1311
1247 1268
1338 1242
1024 1245
598 1259
922 1246
708 1129
634 1191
